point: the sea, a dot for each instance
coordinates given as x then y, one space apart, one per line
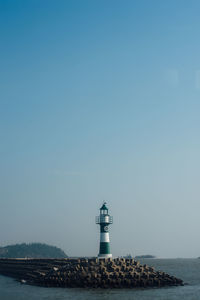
186 269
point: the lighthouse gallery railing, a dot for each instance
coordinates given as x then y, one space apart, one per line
104 219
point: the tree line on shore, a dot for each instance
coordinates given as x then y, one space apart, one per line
32 250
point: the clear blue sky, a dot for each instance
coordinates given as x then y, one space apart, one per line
100 100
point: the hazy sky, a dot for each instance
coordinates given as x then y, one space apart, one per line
100 100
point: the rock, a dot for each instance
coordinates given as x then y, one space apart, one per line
102 273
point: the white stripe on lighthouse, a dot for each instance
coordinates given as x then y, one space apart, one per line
104 237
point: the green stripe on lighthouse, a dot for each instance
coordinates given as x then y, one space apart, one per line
104 248
103 227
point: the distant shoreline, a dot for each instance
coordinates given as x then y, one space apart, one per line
144 256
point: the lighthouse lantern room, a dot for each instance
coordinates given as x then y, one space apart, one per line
104 220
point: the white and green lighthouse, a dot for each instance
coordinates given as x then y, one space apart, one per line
104 220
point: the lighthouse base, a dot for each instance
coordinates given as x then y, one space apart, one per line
105 256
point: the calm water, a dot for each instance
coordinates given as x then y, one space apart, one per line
186 269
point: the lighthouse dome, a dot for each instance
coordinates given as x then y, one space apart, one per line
104 209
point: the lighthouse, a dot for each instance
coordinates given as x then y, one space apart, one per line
104 220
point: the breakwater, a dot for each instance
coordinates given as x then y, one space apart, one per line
86 273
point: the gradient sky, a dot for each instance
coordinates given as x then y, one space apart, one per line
100 100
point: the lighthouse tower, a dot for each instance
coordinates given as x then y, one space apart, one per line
104 220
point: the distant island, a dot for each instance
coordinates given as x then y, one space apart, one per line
144 256
129 256
33 250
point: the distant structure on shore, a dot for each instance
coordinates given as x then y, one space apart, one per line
104 220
